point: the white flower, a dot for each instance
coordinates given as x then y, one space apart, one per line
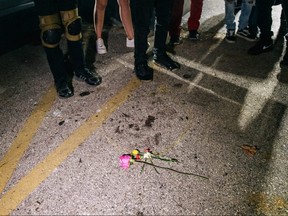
147 155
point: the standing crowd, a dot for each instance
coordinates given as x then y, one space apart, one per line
61 16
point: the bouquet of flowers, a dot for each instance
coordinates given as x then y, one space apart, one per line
146 158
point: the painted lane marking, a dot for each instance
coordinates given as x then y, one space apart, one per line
43 170
10 161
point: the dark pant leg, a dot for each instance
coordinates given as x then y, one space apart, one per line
264 8
64 5
75 48
285 12
163 14
55 56
176 18
141 15
253 23
46 7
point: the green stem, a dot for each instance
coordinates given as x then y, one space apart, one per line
164 159
167 168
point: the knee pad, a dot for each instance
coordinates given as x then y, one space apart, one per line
72 24
51 30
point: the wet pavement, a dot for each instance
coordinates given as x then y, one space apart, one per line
223 115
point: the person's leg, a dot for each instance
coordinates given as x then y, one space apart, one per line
51 31
230 21
125 15
98 19
142 12
126 18
194 19
72 25
99 15
163 9
265 44
195 14
163 14
229 15
264 8
243 26
253 23
175 22
246 8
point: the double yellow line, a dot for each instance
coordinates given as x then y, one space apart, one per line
15 195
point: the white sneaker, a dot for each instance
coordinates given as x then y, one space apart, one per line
100 46
130 43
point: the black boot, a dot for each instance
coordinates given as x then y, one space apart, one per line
165 61
59 68
81 71
63 89
144 72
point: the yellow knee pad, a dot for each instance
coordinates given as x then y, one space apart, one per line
72 24
51 30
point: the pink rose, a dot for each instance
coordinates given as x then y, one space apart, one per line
125 161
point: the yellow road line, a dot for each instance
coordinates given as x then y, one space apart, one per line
41 171
18 147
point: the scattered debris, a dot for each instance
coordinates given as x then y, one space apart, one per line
85 93
157 137
125 115
249 150
118 130
187 76
149 121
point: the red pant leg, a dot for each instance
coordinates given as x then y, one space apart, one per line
195 14
175 22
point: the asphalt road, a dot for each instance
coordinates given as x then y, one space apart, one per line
223 115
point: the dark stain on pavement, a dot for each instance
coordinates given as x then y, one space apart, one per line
85 93
149 121
157 138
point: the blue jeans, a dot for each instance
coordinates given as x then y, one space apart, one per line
246 8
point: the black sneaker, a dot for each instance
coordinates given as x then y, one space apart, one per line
63 90
261 46
245 34
230 36
163 60
88 77
194 35
175 41
143 72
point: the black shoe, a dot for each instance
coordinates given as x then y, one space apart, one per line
63 90
283 77
175 41
261 46
245 34
143 72
230 36
165 61
194 35
89 77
